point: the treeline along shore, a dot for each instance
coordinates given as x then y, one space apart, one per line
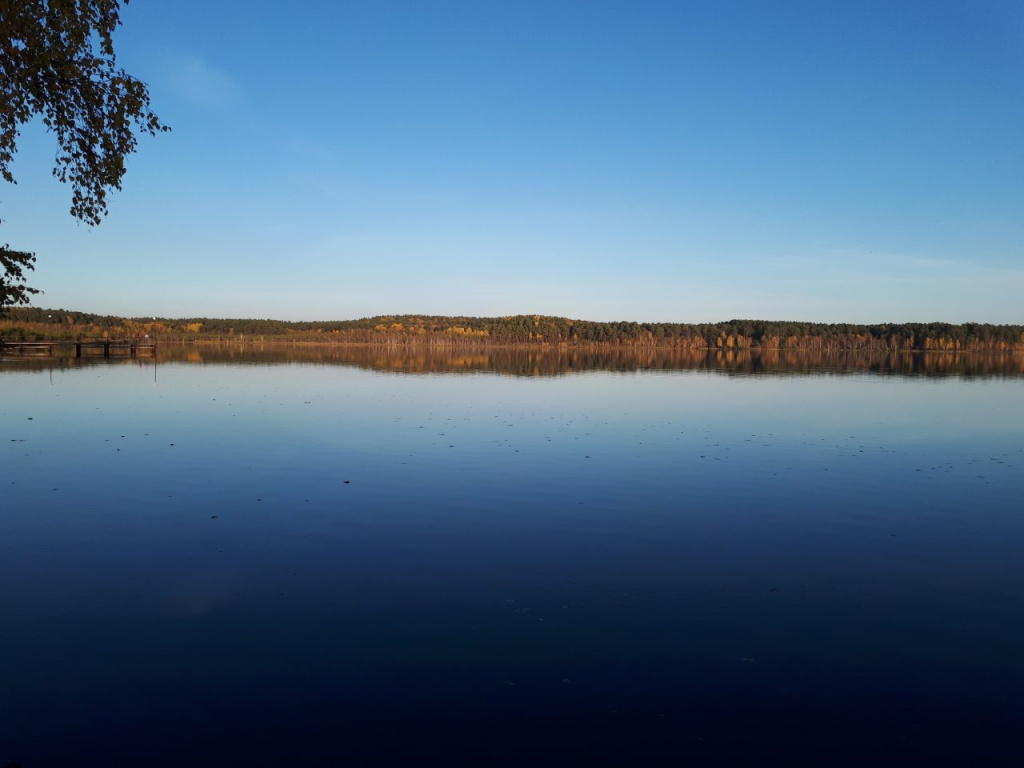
32 323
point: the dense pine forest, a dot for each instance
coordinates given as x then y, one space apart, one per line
33 323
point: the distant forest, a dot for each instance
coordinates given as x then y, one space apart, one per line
33 323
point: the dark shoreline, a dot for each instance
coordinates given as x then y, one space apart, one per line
529 330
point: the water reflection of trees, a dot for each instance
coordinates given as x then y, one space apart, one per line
557 361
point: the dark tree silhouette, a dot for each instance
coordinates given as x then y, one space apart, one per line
57 63
13 290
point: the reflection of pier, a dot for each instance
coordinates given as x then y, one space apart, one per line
108 347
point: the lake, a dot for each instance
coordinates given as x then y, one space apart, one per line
277 555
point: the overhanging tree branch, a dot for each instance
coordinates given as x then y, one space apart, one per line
57 63
13 291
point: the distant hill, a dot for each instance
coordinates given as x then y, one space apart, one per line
530 330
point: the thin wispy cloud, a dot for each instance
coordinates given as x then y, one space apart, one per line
203 84
307 149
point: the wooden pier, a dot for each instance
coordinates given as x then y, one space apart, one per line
83 348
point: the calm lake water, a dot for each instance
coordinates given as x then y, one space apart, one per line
274 557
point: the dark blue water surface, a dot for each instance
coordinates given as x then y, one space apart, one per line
285 564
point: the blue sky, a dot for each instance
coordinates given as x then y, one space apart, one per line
654 161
